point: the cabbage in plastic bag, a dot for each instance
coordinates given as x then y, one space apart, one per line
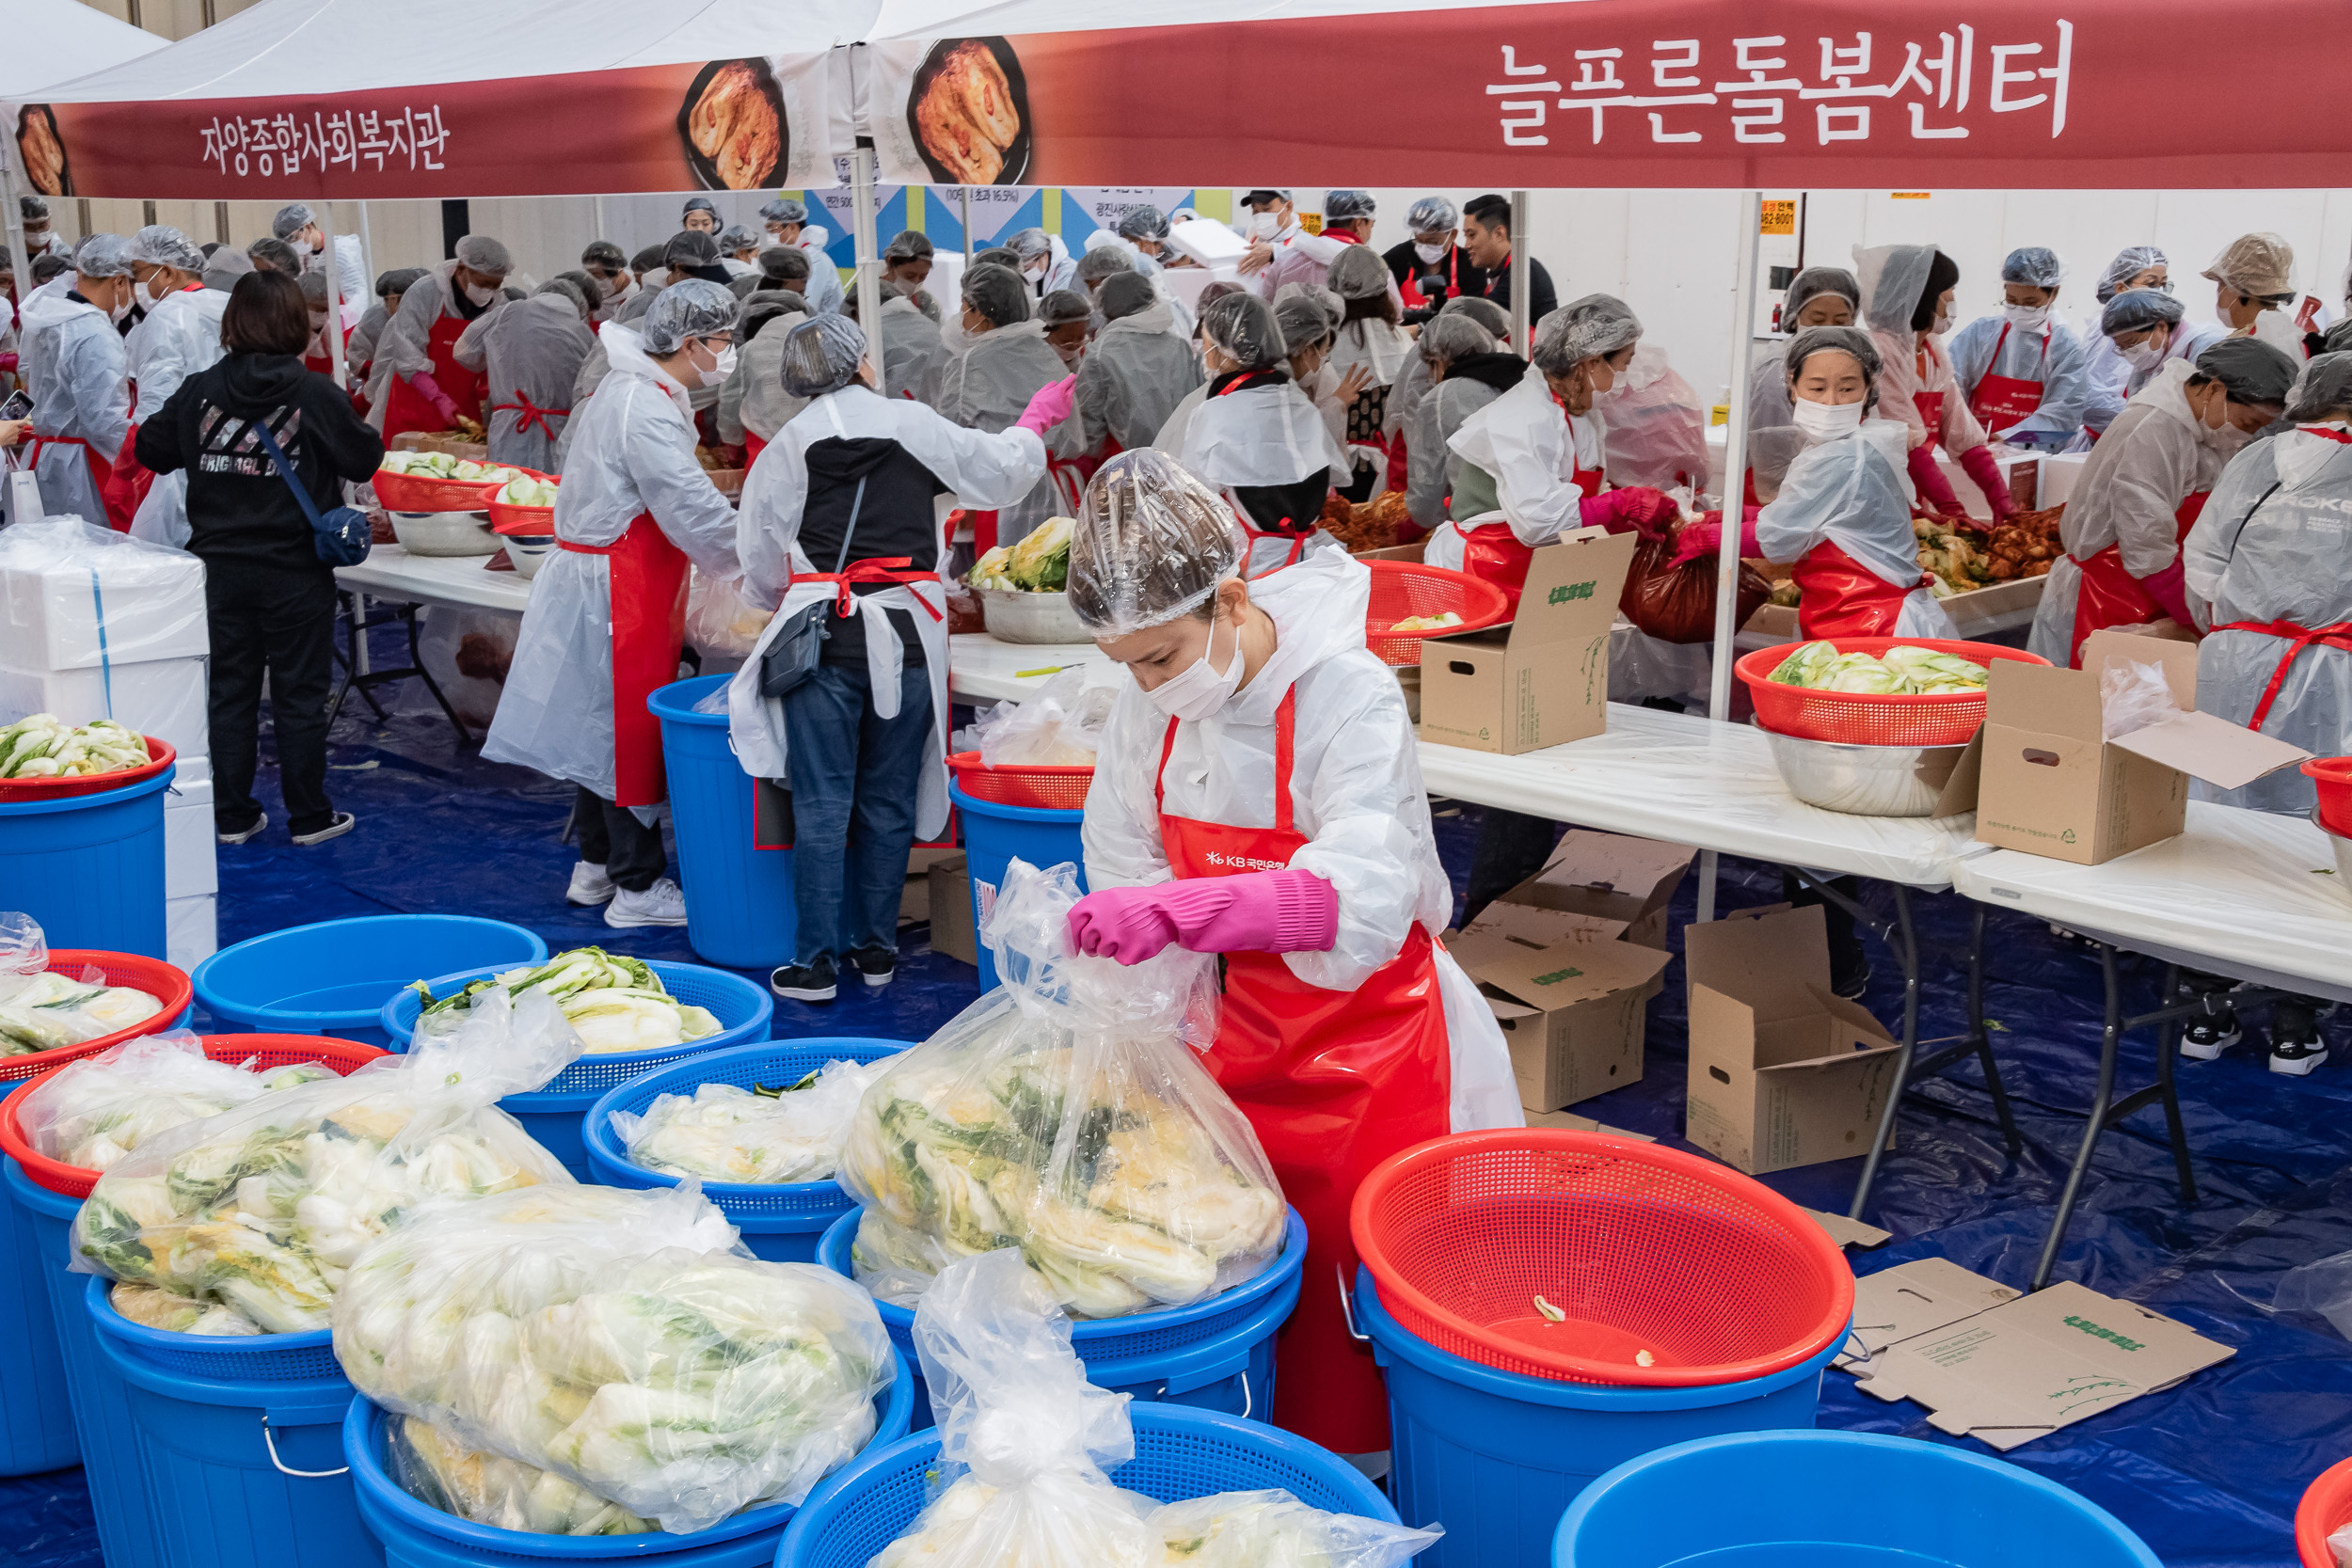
1065 1114
1059 727
491 1489
622 1340
762 1136
93 1112
264 1207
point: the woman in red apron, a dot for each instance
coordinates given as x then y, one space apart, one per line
1258 795
1818 296
1908 305
73 359
2026 374
1257 437
429 388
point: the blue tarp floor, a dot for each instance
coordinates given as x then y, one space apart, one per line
2208 1472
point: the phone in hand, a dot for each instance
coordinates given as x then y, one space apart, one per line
18 406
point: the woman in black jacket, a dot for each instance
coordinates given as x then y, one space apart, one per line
271 599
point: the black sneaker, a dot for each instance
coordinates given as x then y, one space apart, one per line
1850 983
2205 1038
339 825
876 966
244 835
804 982
2296 1046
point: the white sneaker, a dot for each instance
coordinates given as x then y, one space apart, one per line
662 904
590 886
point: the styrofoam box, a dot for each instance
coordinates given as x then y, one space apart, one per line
136 606
191 929
166 698
190 846
187 770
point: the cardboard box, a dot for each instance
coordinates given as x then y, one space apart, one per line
915 900
190 848
954 931
191 930
1568 1121
2053 787
1784 1071
1573 1007
167 698
1610 876
1543 680
133 604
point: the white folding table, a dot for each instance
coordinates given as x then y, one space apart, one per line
393 575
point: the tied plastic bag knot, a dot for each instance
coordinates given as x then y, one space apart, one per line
1011 1397
24 948
2133 696
1059 727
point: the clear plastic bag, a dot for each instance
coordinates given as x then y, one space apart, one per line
616 1002
42 1009
621 1340
492 1489
1064 1112
1059 727
793 1132
93 1112
2322 1288
720 620
23 947
2132 696
264 1207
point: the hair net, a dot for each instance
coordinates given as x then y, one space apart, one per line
31 207
822 354
996 293
1835 340
1584 330
697 204
1104 262
1126 295
1814 282
1151 543
1486 312
2252 371
1456 336
1217 288
1348 204
49 264
2137 310
1143 223
997 255
2324 387
569 290
2339 338
277 253
1303 322
592 288
2258 265
103 256
2129 263
695 308
292 220
1240 326
647 259
483 254
314 286
1432 214
1064 306
1029 244
785 209
161 244
690 247
736 237
602 253
1358 273
1334 308
908 245
2033 265
1892 279
786 263
224 267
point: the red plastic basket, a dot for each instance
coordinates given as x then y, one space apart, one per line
1644 1250
528 522
1868 718
168 985
160 755
1401 589
410 493
2326 1508
271 1051
2332 778
1038 788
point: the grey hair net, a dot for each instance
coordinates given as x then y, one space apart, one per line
736 237
314 286
1126 295
785 264
1064 306
161 244
29 208
1584 330
1812 283
568 291
997 255
1432 214
2137 310
1029 244
225 266
1358 273
2254 372
1348 204
397 280
103 256
1151 543
647 259
996 293
2033 265
292 220
2129 263
822 354
1303 322
603 253
483 254
1143 223
1334 308
1103 261
2258 265
697 204
1456 336
276 254
1893 277
2338 338
1486 312
696 307
785 209
592 293
1242 327
1837 340
2324 387
690 247
908 245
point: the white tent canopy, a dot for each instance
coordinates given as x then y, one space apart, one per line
49 40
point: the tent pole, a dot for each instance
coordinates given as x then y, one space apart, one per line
334 295
963 194
868 264
367 246
1735 486
1522 275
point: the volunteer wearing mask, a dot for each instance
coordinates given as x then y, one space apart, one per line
1066 314
39 239
298 226
1256 439
690 253
1469 364
360 348
1309 317
179 336
2142 329
1146 230
787 224
989 382
699 216
1541 441
1256 731
909 338
75 368
1431 267
1371 340
427 389
1045 262
1908 305
603 261
1137 370
602 630
529 352
1100 261
1818 296
753 405
1281 252
2026 373
738 248
2254 280
2138 268
2145 486
907 260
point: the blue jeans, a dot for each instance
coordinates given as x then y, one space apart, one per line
855 776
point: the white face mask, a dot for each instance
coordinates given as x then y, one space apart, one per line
1826 422
1940 326
718 373
1198 691
1430 254
116 313
480 296
2031 317
144 295
1264 225
2145 356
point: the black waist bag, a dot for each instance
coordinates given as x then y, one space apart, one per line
793 651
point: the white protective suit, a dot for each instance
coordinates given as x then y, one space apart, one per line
75 368
2284 554
909 345
532 350
1356 793
1433 469
753 400
1532 448
1135 375
1653 427
987 386
2114 382
1267 434
1853 493
2277 328
179 337
982 470
632 452
2054 357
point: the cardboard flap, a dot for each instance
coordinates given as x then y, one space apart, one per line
1912 1299
2043 699
1572 589
1845 1232
2115 645
1562 976
1829 1041
1645 869
1967 780
2227 755
1774 960
1533 927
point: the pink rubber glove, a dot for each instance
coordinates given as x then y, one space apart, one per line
1288 910
1122 923
1934 489
1634 509
1978 463
1706 537
1050 406
431 391
2169 587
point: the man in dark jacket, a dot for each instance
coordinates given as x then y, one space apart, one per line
1488 240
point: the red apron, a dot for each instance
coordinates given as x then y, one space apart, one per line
2298 638
649 605
533 415
1297 543
2002 400
127 482
753 447
1838 596
405 409
2111 597
1410 288
101 474
1333 1083
1930 405
1492 553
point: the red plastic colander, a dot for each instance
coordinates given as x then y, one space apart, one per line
2332 778
528 522
420 493
1038 788
1659 1269
2326 1508
166 984
1871 719
160 755
1403 589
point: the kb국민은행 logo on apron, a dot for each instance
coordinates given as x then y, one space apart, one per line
1242 863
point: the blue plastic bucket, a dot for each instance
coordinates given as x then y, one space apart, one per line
417 1535
780 1221
1216 1354
1835 1499
1180 1453
1494 1456
33 1380
554 1114
740 913
332 979
241 1440
90 867
993 834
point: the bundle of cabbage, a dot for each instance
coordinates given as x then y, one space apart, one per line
46 747
1037 562
492 1489
440 464
173 1313
621 1340
93 1112
46 1010
759 1135
617 1002
1902 670
523 490
1064 1114
264 1207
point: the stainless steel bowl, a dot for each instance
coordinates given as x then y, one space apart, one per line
1864 781
1015 615
445 532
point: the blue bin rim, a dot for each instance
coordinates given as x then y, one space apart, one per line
400 1031
32 1194
679 710
977 807
1596 1493
692 1073
99 797
1391 1337
111 1323
359 1017
363 1440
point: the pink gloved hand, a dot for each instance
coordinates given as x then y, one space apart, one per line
1979 464
430 390
1634 509
1934 489
1122 923
2170 589
1287 911
1050 406
1706 537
